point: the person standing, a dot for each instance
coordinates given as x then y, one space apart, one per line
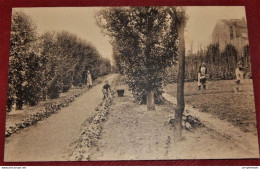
89 79
202 76
239 76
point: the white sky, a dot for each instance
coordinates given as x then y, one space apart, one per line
81 21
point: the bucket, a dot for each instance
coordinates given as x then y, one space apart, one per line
120 93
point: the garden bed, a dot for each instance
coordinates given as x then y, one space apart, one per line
220 100
17 120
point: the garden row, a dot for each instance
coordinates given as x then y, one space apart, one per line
92 129
46 111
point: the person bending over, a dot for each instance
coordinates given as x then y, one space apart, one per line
106 89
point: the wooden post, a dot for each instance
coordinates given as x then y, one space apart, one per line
150 99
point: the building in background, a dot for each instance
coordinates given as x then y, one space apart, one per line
232 31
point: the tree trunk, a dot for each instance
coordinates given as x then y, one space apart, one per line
150 100
44 94
180 86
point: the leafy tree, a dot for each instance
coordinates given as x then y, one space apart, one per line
50 64
144 41
230 56
68 58
213 60
33 78
47 65
181 23
118 63
23 35
246 58
212 54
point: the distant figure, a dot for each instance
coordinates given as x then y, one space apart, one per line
89 79
202 76
239 76
106 90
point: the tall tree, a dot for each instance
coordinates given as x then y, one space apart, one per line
33 75
23 35
144 40
246 58
181 20
212 54
41 66
67 60
230 56
51 64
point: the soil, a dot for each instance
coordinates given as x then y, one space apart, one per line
133 133
221 101
219 139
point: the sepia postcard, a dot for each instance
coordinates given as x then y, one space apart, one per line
130 83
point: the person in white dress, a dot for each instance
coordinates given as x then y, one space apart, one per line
239 76
89 79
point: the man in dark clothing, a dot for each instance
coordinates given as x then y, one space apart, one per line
202 76
106 89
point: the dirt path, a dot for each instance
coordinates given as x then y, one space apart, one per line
49 140
246 142
133 133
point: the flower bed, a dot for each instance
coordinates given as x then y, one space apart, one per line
43 113
46 111
91 133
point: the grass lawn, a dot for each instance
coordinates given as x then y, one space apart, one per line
221 100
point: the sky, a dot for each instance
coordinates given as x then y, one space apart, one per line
81 21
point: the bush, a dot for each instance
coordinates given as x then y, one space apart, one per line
54 89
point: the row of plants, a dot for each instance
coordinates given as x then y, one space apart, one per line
91 133
43 66
45 112
220 65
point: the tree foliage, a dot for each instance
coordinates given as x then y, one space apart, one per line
246 61
42 67
22 50
212 54
220 64
144 42
230 56
68 59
